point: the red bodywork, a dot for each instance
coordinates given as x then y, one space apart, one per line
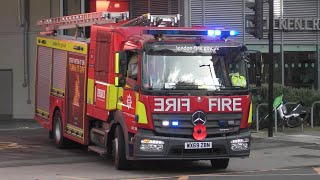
177 105
105 42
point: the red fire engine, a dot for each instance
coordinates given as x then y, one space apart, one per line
144 89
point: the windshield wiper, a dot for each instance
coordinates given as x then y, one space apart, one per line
208 65
233 87
175 93
186 86
217 92
172 92
182 87
232 90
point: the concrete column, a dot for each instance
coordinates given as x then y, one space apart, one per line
185 11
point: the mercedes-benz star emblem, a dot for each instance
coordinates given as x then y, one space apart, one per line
199 118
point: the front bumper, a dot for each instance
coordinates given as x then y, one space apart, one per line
174 148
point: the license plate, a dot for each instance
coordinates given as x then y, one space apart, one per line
197 145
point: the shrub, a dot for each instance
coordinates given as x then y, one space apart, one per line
290 94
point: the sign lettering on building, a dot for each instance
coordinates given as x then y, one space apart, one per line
292 24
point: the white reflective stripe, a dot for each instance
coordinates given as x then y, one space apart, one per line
102 83
95 92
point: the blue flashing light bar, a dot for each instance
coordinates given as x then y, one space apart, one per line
222 33
217 32
212 33
233 33
175 123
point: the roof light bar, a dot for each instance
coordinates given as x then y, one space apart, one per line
224 33
212 33
233 33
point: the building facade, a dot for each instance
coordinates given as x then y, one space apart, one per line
18 47
296 38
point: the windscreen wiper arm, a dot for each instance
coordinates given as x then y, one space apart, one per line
221 90
233 88
171 92
186 86
217 92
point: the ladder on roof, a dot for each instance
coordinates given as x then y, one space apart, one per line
154 20
81 20
88 19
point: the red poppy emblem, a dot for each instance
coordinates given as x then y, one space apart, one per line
199 132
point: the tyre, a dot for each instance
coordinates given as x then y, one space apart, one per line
297 121
220 163
119 151
60 141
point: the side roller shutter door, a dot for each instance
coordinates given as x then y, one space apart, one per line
59 71
43 79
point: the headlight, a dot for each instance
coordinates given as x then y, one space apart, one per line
245 140
150 145
240 144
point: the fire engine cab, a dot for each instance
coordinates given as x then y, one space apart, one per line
144 89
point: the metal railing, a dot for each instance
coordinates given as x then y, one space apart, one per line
257 114
312 114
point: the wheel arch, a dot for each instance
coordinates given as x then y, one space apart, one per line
115 119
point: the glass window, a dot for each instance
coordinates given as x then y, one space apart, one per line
254 58
71 7
277 68
184 70
179 70
300 69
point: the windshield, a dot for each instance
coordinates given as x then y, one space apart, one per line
193 71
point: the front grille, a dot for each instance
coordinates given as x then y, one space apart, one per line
185 128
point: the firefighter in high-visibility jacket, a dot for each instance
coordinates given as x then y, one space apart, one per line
238 80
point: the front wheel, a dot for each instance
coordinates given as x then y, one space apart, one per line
220 163
119 151
297 121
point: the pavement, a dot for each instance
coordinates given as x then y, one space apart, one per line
18 124
299 134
